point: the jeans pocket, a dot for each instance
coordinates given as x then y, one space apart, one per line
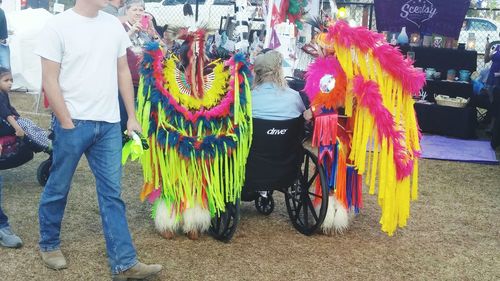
76 124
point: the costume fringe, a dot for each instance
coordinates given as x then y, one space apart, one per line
325 130
198 145
378 97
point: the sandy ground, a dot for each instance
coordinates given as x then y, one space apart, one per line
453 233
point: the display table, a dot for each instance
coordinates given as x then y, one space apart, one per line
448 88
443 59
446 120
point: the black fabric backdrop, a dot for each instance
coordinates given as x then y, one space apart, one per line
446 120
443 59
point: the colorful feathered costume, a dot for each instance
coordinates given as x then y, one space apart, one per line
373 84
197 117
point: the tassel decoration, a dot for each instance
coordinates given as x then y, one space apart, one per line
377 100
199 132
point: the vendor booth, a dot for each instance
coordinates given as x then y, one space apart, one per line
427 32
443 67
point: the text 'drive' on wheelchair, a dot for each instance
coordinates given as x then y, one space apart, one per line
278 162
17 151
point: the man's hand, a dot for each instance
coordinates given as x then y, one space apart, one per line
67 124
20 132
133 126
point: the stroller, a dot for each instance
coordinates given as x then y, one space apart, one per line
17 151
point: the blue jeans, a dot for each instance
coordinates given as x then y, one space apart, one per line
5 56
101 143
4 221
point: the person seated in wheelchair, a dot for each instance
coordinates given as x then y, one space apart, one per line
13 124
282 109
272 99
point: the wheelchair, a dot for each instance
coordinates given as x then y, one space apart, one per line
17 151
278 161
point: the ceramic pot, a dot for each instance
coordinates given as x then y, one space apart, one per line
464 75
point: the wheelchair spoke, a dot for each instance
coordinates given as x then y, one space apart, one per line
315 195
304 194
295 199
311 208
299 220
306 217
310 182
306 168
297 211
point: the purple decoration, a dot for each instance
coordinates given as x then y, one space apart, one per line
443 148
443 17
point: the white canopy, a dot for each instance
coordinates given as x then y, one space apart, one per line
25 65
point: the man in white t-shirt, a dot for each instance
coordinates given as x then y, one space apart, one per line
83 52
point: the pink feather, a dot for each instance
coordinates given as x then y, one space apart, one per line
368 96
390 58
316 70
155 194
359 37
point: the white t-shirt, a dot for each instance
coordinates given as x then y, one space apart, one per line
88 50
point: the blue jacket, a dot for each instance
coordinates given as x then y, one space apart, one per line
271 102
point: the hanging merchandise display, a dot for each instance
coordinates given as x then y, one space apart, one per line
361 93
294 11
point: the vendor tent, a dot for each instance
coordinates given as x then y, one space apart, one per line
26 67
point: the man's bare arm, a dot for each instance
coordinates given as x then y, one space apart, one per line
127 93
50 82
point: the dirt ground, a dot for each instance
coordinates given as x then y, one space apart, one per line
453 233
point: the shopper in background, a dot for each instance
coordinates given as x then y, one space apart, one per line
4 47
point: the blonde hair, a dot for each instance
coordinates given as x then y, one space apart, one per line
268 68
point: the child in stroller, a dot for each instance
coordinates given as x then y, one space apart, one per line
23 127
19 136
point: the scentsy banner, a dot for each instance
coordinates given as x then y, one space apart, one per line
444 17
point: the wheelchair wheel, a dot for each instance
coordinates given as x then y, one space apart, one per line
43 172
305 204
224 225
265 205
